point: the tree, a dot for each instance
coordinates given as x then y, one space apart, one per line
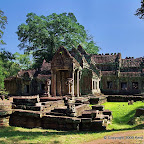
43 35
3 22
23 60
2 76
140 11
8 65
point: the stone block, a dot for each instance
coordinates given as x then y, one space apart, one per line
81 108
97 125
139 112
107 112
98 107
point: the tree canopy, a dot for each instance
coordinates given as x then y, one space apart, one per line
140 11
23 60
3 22
42 35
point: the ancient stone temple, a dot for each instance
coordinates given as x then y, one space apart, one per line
69 73
75 73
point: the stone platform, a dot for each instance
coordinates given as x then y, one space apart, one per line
60 113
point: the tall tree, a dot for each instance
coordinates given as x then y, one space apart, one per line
23 60
44 34
8 65
3 22
140 11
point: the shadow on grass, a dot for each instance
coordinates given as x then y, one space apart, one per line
12 132
126 118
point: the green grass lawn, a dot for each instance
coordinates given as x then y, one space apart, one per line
122 113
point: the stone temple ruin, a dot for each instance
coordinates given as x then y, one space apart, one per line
78 73
57 95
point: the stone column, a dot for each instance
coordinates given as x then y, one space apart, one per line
48 91
59 83
78 83
53 83
73 83
47 88
69 83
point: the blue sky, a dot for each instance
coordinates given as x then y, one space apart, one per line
111 22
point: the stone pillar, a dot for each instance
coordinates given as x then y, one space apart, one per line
48 91
78 83
63 83
69 83
53 87
47 88
59 83
73 83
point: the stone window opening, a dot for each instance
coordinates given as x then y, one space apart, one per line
109 84
123 86
27 88
94 85
134 85
42 87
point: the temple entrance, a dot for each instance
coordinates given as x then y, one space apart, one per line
61 85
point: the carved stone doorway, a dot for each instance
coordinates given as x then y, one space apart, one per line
61 85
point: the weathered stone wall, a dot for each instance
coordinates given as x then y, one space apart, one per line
120 98
139 112
86 82
13 86
116 85
60 122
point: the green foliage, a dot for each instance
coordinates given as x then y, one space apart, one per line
3 92
2 75
23 60
44 34
7 66
3 22
140 11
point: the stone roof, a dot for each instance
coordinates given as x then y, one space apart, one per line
131 62
101 59
45 66
81 50
31 72
45 77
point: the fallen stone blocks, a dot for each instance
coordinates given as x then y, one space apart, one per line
27 119
124 98
98 99
59 113
27 101
139 112
5 112
60 122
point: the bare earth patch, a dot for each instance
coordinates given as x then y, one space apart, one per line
127 137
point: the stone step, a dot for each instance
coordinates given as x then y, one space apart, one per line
60 110
56 114
89 114
25 100
45 99
5 112
107 112
98 107
33 108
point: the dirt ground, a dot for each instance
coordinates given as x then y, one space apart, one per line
128 137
